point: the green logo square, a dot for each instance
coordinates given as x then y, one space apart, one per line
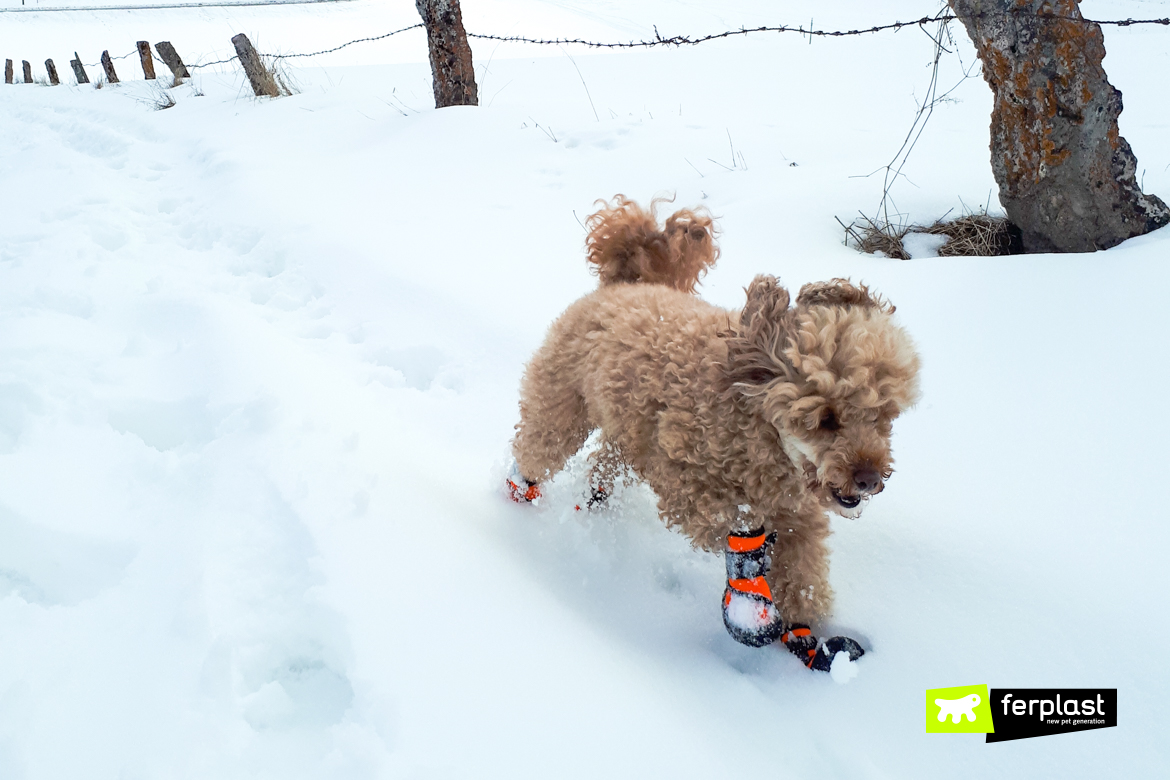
962 710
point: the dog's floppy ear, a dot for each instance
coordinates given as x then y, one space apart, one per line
755 347
766 299
841 292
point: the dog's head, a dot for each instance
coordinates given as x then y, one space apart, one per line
830 373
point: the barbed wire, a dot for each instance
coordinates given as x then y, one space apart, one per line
310 54
232 58
686 40
342 46
98 63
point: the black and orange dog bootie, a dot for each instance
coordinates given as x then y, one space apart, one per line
751 616
749 613
520 489
816 654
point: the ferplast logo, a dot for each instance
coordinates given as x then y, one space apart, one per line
962 710
1006 714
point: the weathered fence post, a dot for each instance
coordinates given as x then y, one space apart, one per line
79 69
52 69
27 72
108 67
7 71
1066 176
171 57
262 82
451 68
147 60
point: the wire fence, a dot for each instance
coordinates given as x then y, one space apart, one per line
672 40
687 40
810 31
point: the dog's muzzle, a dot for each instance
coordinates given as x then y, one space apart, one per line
866 482
848 506
848 502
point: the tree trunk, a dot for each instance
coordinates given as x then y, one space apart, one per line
454 76
1065 174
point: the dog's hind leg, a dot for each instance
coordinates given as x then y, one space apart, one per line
606 466
553 422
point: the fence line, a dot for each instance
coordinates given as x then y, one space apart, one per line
342 46
686 40
658 40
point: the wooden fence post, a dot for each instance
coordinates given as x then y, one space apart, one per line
147 60
27 72
167 54
451 68
49 66
7 71
108 67
79 69
262 82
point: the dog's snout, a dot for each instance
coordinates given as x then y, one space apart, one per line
866 479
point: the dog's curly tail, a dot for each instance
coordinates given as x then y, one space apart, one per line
626 244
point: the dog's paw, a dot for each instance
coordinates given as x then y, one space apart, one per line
750 618
818 654
828 650
519 489
598 499
749 613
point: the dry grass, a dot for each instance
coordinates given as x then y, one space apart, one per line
158 97
285 84
978 234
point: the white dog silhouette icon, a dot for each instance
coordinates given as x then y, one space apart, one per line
957 708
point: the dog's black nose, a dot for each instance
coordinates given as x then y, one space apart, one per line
866 480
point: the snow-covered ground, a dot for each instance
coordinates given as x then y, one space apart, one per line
258 374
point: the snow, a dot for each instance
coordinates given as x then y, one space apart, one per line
842 670
922 245
750 615
258 374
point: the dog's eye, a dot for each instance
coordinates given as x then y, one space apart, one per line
829 421
759 376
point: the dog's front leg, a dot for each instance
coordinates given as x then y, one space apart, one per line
799 574
799 578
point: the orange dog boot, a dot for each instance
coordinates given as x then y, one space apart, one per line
520 489
818 654
749 614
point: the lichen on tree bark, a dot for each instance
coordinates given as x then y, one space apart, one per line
1067 179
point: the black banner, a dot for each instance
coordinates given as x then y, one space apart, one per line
1020 713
